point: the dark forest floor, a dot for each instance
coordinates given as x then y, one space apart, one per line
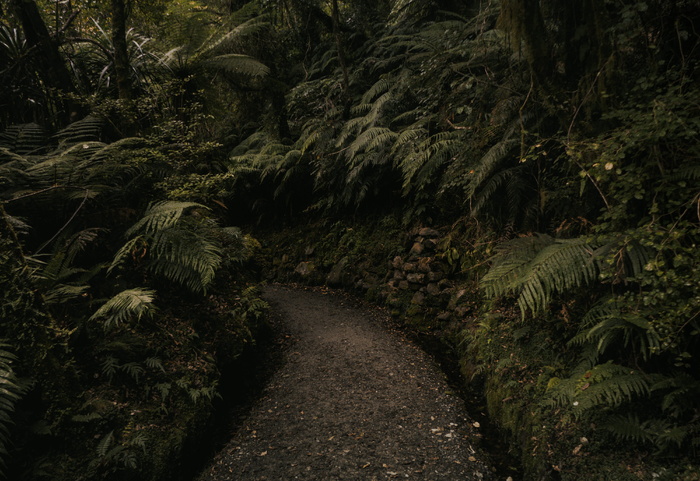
353 400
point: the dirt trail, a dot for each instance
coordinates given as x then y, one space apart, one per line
353 401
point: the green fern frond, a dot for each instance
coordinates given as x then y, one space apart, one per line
371 139
10 393
161 216
604 385
186 257
607 325
238 64
129 305
84 130
536 268
105 443
628 428
219 42
24 139
182 249
489 163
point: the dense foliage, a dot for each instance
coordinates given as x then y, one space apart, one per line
563 134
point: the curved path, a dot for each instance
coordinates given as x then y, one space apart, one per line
354 401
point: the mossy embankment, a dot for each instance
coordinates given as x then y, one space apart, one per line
427 278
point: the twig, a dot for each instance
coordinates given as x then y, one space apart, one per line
82 203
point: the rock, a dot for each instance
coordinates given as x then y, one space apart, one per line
409 267
424 264
285 259
415 278
399 274
397 262
432 289
418 298
435 276
444 316
417 249
430 244
428 232
335 276
304 269
309 251
403 285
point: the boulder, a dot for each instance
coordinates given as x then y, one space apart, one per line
424 264
397 262
432 289
418 298
415 278
335 276
417 249
428 232
304 269
435 276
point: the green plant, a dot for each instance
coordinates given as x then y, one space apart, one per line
175 241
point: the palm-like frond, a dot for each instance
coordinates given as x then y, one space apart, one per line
606 384
10 393
607 325
538 267
238 64
127 306
24 139
161 216
84 130
181 248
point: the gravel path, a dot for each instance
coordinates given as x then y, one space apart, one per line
354 400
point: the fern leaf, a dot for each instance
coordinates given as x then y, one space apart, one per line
128 305
238 64
24 139
84 130
536 268
162 215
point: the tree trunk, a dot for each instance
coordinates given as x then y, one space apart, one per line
54 73
339 45
122 68
522 21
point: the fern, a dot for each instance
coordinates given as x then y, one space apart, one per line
181 248
604 385
127 306
607 325
10 393
161 216
24 139
85 130
238 64
538 267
